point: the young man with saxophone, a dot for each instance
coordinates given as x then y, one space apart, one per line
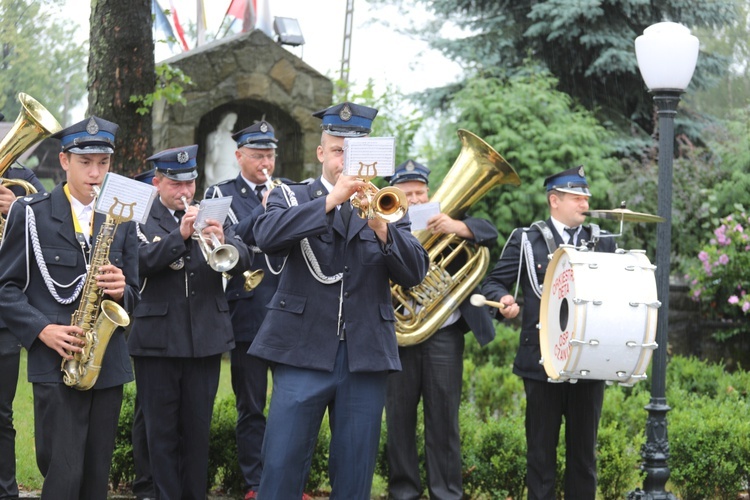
256 156
180 328
330 329
44 266
433 371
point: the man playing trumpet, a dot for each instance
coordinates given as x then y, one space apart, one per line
256 156
330 327
180 328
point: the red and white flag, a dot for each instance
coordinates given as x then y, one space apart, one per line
245 10
178 26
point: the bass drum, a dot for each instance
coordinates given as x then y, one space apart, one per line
598 315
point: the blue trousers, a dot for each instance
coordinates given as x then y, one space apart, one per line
299 400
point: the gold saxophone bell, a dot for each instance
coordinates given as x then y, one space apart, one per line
422 310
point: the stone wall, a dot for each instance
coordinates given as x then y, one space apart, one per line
254 77
690 335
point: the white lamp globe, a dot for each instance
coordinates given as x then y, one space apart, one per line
667 54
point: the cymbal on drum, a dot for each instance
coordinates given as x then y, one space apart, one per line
623 214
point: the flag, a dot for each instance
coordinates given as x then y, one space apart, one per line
178 26
200 23
245 10
162 29
264 21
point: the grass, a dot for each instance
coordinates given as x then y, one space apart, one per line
27 473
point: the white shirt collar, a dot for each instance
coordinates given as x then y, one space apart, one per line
249 182
560 228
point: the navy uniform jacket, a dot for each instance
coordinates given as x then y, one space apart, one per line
248 309
28 306
300 328
475 318
183 313
8 342
500 283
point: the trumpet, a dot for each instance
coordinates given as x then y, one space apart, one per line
389 204
221 257
270 181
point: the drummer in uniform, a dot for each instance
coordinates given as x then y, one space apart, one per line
524 261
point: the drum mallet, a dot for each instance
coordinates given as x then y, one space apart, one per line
480 300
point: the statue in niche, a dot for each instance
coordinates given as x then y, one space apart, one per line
221 163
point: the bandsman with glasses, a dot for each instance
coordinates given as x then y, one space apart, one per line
256 156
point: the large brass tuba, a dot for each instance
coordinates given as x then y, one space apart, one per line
456 265
33 124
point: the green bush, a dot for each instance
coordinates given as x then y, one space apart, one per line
494 454
618 460
710 447
223 465
122 471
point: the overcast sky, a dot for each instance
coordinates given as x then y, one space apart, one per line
376 52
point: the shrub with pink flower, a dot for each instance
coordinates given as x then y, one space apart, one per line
720 277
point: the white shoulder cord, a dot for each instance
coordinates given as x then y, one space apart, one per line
528 251
143 238
307 251
32 233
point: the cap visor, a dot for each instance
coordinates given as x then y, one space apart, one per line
182 176
90 150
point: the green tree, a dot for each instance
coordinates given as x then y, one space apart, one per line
538 130
587 45
41 55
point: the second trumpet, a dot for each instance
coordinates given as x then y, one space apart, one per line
221 257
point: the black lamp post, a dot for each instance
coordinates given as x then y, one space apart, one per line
666 54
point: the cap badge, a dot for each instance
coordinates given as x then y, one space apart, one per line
580 171
345 113
263 127
183 157
91 127
410 166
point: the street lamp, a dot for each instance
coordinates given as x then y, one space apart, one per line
666 54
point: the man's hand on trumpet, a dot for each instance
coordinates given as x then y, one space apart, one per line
186 224
345 187
213 227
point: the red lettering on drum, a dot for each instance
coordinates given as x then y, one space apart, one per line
561 284
562 349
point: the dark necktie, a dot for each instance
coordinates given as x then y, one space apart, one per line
572 232
259 191
179 214
346 212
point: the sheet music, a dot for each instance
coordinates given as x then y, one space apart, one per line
376 154
420 214
213 208
123 194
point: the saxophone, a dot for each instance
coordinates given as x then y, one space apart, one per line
97 318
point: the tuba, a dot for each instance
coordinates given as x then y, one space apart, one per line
97 317
33 124
456 265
